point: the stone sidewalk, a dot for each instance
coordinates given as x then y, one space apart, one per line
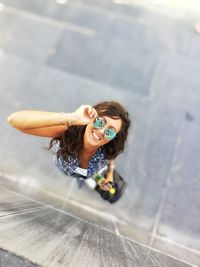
51 237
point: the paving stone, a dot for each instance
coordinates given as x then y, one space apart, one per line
102 65
183 185
8 259
66 240
59 11
171 89
147 61
174 250
15 204
22 37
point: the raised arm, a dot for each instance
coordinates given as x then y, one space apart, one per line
49 124
29 119
40 123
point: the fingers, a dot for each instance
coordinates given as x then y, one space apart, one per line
85 114
108 180
105 186
109 177
92 113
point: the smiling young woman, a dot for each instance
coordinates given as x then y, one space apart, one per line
87 141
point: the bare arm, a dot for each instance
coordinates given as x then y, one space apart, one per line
109 175
51 131
39 123
31 119
50 124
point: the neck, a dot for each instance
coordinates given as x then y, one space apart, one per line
89 150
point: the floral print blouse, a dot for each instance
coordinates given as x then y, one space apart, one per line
96 163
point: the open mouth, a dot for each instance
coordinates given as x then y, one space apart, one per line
96 136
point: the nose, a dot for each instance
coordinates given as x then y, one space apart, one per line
101 132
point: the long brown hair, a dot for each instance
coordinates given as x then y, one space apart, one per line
71 142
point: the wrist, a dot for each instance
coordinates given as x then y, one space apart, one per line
111 165
74 119
109 178
65 119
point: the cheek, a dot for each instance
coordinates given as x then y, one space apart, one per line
88 129
104 141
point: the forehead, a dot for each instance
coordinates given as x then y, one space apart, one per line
116 123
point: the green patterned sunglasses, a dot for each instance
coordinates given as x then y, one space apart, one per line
100 123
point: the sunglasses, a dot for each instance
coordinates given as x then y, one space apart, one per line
100 123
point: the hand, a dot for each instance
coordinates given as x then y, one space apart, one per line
84 115
105 186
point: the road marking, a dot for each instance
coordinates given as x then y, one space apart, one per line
49 21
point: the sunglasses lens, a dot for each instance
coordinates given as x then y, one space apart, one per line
109 134
99 123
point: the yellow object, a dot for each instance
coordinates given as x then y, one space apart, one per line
112 190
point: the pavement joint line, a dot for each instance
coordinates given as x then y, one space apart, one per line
172 256
111 218
164 194
43 204
14 214
154 249
3 247
49 21
127 17
103 11
61 211
167 240
116 229
103 228
69 214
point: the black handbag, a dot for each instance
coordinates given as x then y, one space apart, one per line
118 184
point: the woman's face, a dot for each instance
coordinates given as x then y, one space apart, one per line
95 138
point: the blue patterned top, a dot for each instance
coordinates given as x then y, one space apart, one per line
96 163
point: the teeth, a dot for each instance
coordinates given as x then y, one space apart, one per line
95 136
